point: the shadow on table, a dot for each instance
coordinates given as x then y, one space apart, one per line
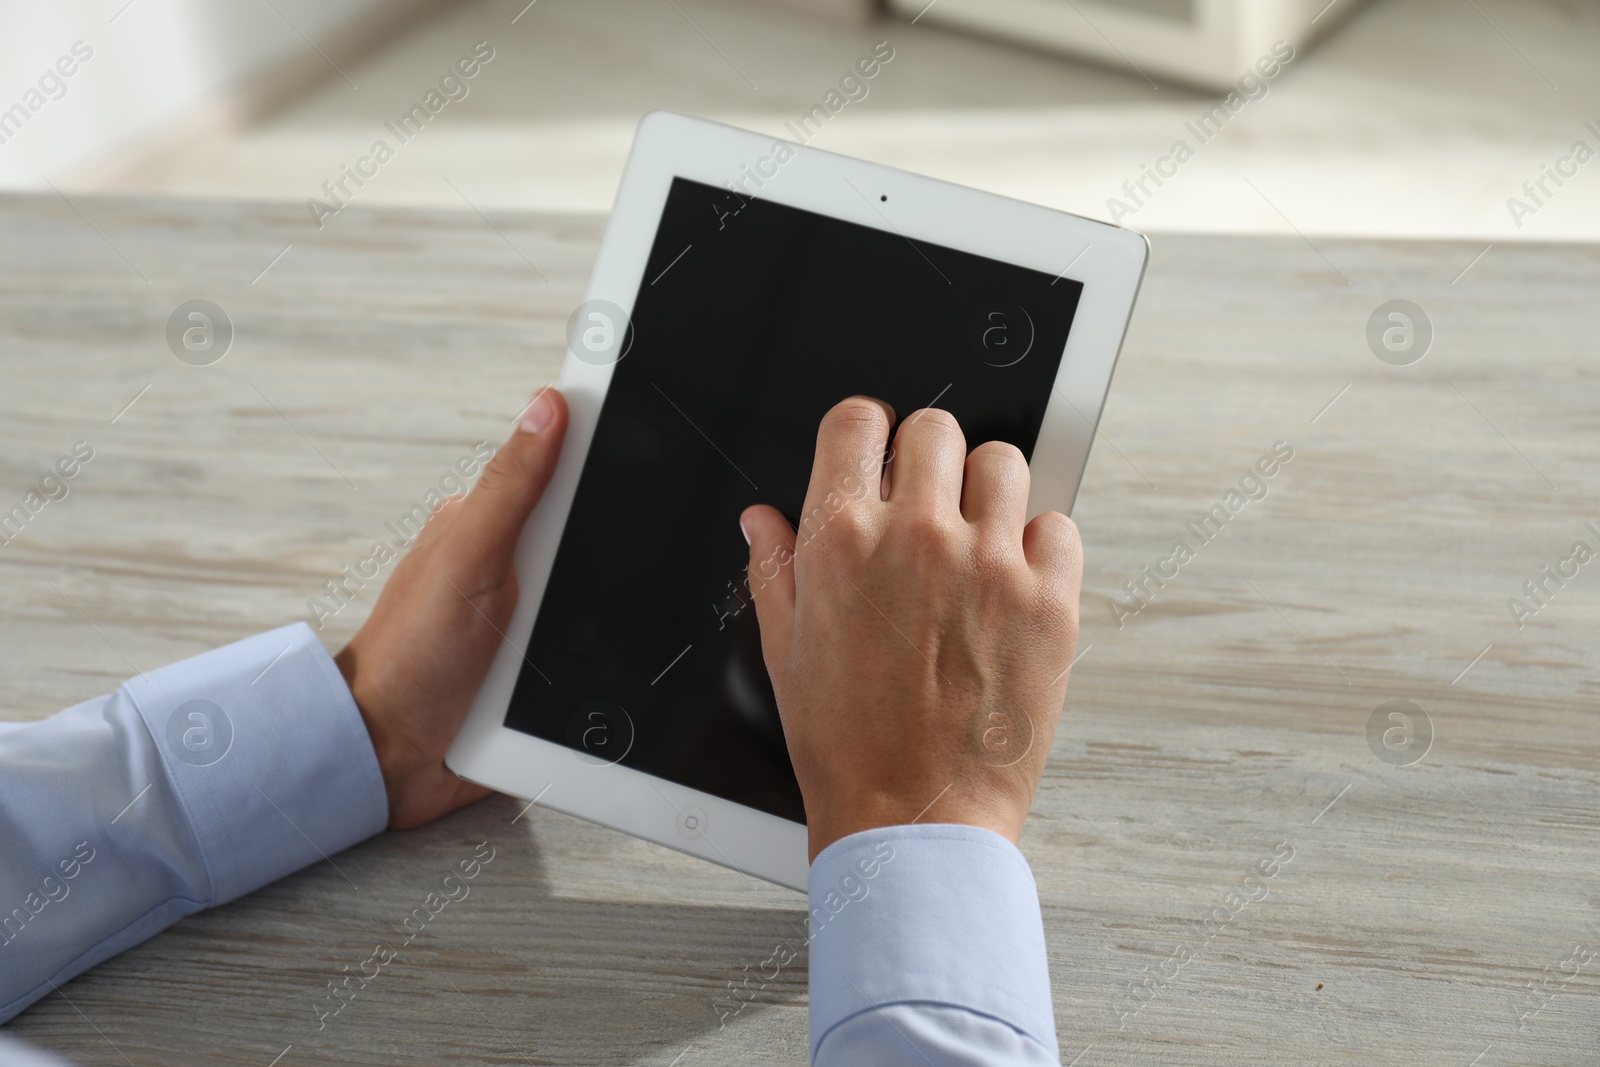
504 973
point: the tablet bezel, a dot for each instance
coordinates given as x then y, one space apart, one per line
1107 260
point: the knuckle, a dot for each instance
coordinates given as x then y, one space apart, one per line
854 523
1001 469
855 412
1060 531
929 537
439 520
846 534
937 422
1054 610
1000 452
503 471
1056 548
997 557
925 526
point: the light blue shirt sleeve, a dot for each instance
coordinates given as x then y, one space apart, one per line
197 783
188 787
927 950
16 1054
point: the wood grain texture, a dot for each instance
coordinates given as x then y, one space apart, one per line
1223 724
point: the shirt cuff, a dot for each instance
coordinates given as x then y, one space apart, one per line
937 914
268 755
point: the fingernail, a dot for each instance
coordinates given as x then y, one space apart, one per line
539 413
744 530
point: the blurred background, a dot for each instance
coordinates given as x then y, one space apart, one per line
1247 705
1394 117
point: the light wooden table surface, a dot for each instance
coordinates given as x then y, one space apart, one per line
1429 915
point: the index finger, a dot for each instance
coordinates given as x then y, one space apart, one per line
849 462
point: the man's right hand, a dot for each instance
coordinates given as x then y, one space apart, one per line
918 635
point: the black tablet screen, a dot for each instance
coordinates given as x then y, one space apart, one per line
753 318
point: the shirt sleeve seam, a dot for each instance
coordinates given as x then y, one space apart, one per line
909 1001
70 967
182 798
341 689
980 840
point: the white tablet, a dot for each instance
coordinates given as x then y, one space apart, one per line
743 288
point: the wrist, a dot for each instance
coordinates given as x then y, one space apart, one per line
879 813
384 746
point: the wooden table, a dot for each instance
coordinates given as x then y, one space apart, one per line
1429 913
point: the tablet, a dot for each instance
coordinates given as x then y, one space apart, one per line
743 287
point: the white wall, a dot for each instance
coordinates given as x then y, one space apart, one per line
157 63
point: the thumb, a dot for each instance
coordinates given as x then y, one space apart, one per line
771 577
493 514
